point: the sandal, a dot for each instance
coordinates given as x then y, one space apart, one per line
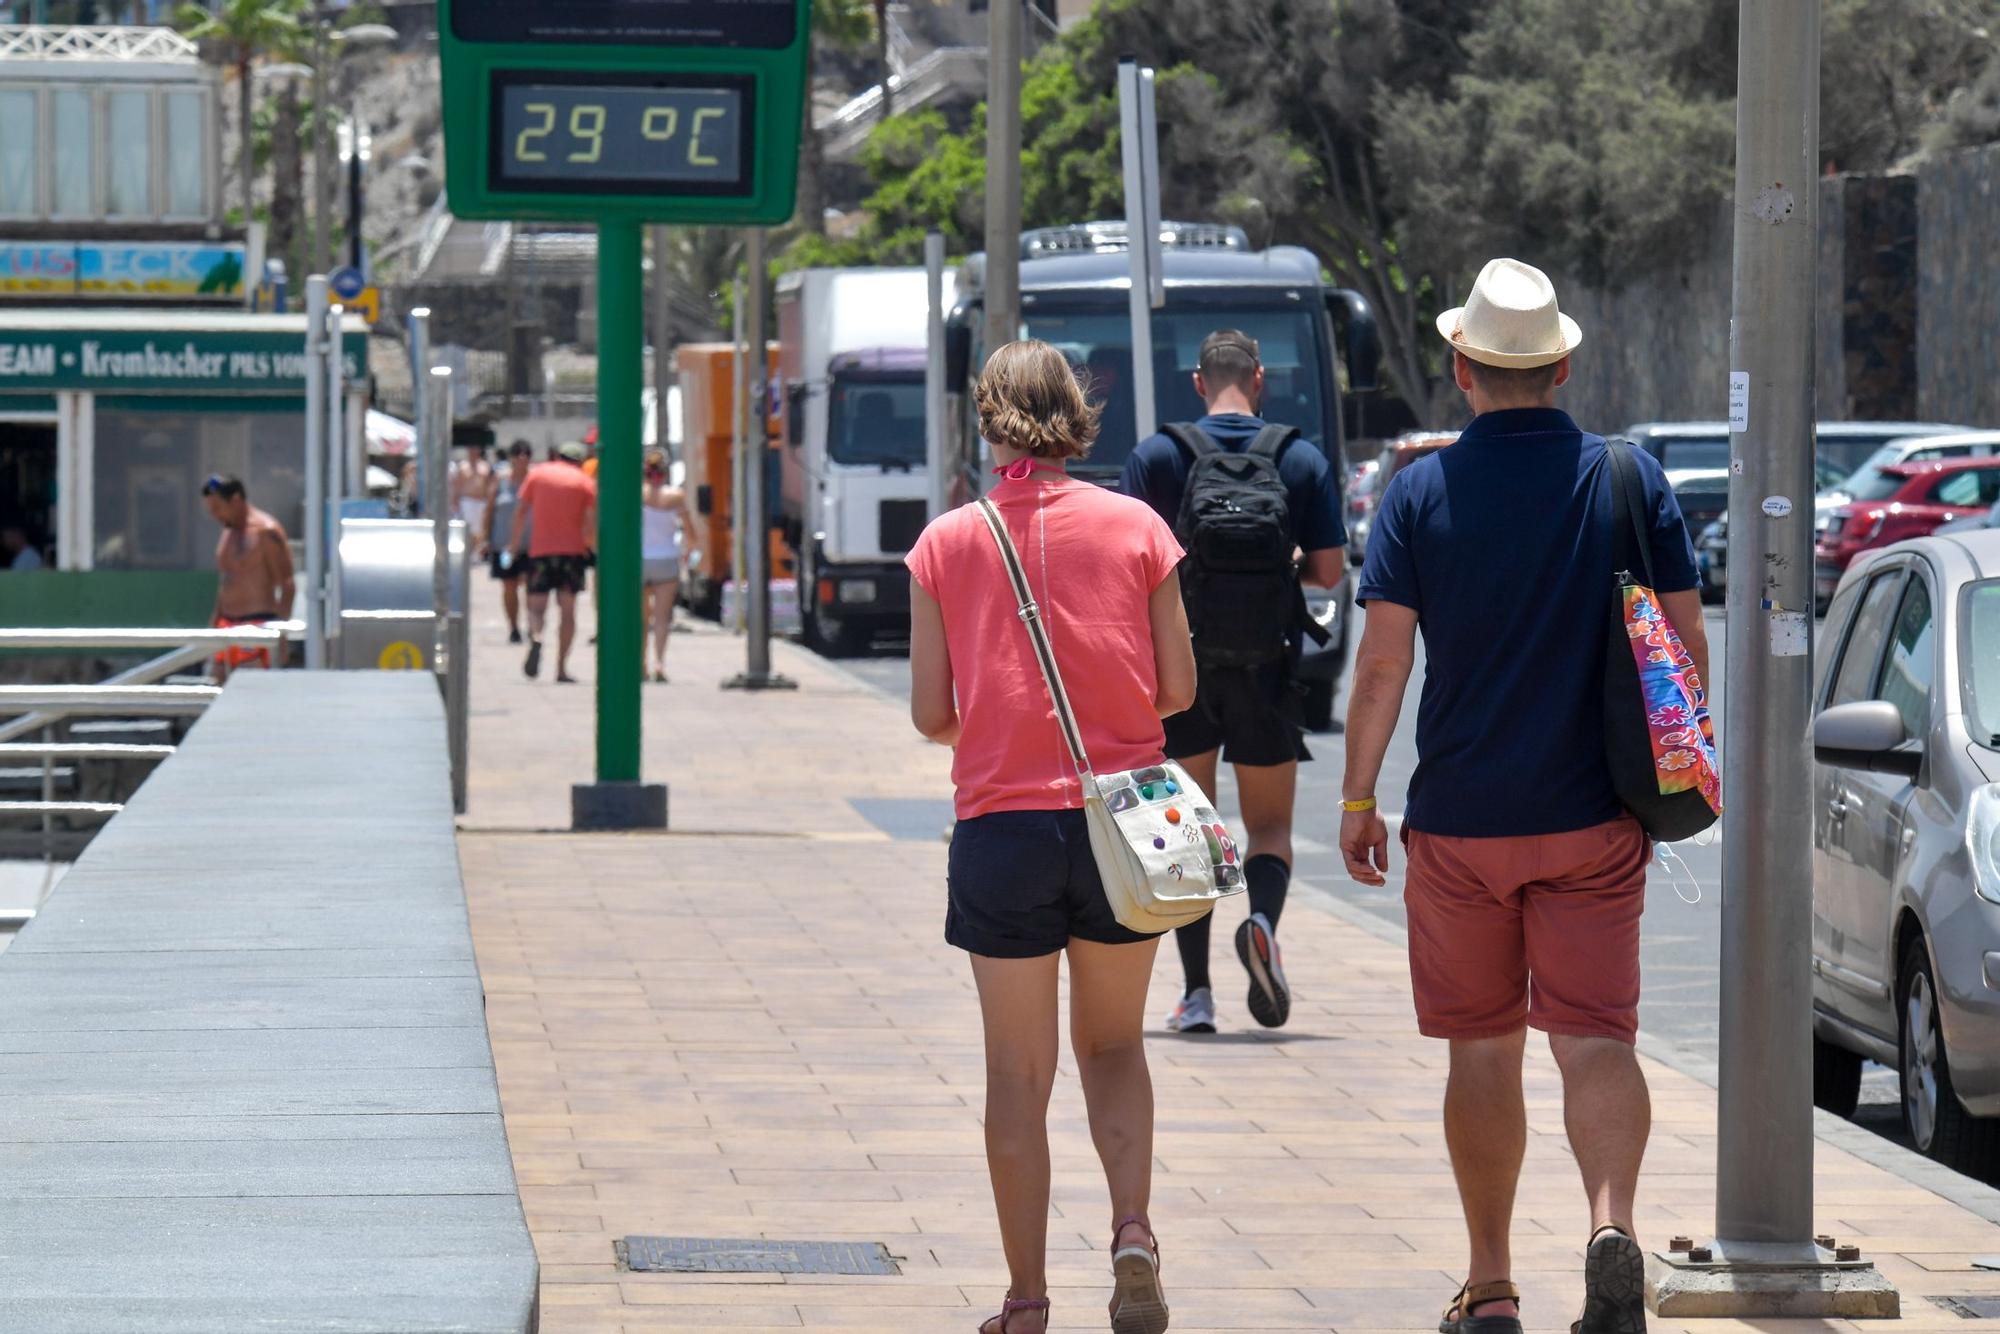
1009 1307
1138 1306
1459 1317
1614 1284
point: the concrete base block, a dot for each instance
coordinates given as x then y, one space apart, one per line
1747 1288
606 806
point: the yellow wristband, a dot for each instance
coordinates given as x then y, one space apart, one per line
1354 807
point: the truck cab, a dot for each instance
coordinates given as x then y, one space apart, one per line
1075 288
855 485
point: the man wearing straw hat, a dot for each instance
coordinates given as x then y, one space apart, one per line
1526 877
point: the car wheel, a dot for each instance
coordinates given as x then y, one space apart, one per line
1936 1120
1836 1078
1318 706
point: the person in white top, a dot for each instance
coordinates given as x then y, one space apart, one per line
663 516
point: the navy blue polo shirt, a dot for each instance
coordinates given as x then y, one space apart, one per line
1502 545
1157 473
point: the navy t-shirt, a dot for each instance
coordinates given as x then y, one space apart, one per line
1157 473
1502 545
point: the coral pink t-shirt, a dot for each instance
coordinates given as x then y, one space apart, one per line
1093 558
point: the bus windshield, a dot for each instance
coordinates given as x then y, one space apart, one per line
876 419
1099 343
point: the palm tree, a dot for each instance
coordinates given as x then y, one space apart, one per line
882 56
245 29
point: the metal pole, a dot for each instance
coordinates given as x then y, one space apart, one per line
321 252
420 365
756 461
1141 151
1003 174
621 332
663 338
355 253
440 517
336 423
739 450
934 433
1764 1181
316 423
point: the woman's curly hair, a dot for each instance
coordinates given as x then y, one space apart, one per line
1030 399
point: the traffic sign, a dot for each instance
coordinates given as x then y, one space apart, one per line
346 283
668 111
367 303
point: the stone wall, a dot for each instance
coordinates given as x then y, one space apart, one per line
1958 289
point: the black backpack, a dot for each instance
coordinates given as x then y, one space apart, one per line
1240 579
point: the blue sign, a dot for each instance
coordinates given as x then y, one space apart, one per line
119 271
347 283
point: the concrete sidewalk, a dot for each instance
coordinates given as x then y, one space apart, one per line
751 1027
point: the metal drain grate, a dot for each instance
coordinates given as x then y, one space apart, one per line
1971 1308
712 1255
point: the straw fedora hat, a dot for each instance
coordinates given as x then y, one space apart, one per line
1511 320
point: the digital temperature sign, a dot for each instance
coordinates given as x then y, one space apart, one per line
555 134
667 111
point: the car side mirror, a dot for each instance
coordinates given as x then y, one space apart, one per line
1868 735
1363 341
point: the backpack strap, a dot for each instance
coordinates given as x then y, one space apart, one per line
1271 440
1629 539
1197 442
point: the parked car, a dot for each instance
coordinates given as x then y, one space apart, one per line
1397 455
1840 449
1703 494
1898 502
1906 841
1971 523
1909 449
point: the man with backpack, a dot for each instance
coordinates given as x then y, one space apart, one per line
1258 510
1525 875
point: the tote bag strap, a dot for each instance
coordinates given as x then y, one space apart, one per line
1628 503
1038 635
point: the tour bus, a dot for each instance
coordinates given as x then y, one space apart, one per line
1075 293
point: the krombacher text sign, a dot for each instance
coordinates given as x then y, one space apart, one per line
142 361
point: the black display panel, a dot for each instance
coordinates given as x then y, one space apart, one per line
763 24
569 133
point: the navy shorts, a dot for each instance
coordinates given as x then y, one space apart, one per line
1254 715
1024 883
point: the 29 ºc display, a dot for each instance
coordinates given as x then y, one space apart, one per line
556 134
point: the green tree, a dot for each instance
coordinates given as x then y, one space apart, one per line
843 25
246 30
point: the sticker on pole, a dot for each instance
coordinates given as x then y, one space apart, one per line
1776 506
401 656
1739 400
1791 634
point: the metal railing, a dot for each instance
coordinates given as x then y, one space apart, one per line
54 41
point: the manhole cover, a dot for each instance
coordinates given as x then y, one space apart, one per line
712 1255
1971 1308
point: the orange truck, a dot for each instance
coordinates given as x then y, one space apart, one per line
707 373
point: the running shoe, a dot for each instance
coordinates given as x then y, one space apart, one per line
513 636
533 666
1257 947
1195 1013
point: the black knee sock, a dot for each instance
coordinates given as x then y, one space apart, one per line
1268 877
1192 941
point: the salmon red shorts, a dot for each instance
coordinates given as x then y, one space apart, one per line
1540 930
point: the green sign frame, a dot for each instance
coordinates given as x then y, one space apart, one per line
519 110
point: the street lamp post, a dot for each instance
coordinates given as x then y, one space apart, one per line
330 46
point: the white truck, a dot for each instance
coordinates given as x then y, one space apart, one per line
854 486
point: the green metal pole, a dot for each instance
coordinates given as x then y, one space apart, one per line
621 287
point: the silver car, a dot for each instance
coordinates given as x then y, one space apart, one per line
1906 841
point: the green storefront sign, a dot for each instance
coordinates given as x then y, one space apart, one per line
145 361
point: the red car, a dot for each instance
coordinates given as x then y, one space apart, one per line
1899 501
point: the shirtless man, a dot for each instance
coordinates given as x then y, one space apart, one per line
254 565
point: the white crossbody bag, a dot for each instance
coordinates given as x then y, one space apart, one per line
1162 851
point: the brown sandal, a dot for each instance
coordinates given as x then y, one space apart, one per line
1009 1307
1138 1306
1459 1317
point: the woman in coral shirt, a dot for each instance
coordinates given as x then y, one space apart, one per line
1024 888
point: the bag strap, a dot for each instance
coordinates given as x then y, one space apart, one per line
1038 635
1197 442
1270 441
1628 502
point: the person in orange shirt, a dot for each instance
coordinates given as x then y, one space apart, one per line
555 527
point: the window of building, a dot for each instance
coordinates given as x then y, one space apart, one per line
128 176
73 154
186 158
149 470
19 112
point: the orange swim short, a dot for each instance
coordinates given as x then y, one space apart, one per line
232 658
1540 930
